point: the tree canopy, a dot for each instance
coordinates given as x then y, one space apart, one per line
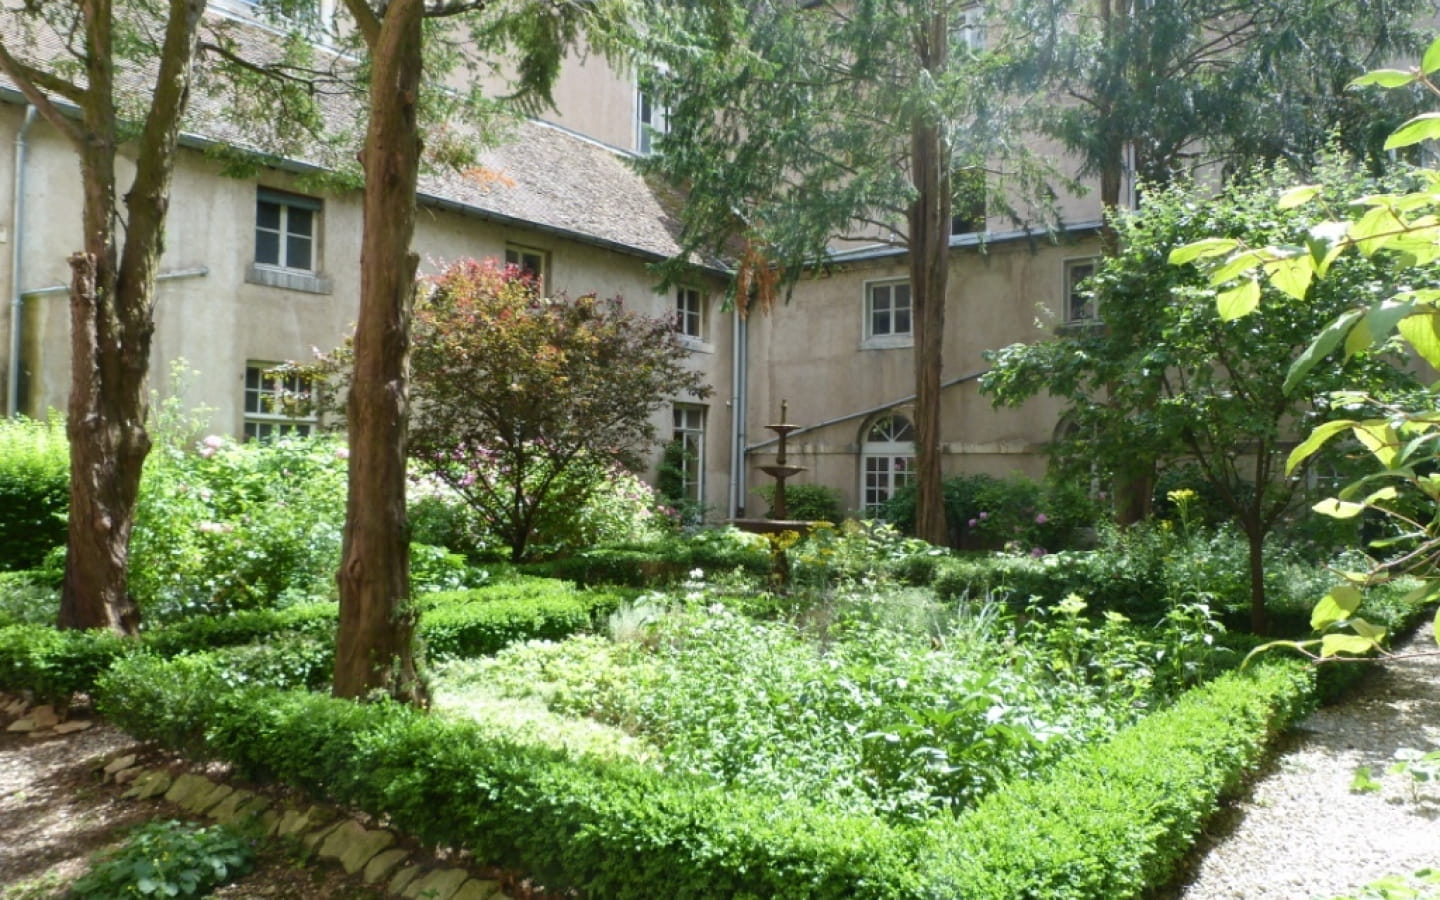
1164 376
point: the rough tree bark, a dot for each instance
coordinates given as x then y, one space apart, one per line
929 222
112 304
375 643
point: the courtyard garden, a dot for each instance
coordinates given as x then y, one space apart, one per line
847 712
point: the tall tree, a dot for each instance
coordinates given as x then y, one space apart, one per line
86 55
374 646
794 126
1175 380
1152 90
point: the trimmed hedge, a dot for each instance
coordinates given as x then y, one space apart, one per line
1114 820
54 664
613 829
651 566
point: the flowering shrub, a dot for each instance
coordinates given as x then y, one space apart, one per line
1014 513
228 526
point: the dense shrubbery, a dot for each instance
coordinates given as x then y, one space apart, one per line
986 512
805 502
34 490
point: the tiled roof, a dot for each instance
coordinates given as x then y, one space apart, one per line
541 176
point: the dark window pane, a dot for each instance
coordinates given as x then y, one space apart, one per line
297 252
267 248
302 221
267 215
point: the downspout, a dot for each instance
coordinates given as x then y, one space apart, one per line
738 377
17 227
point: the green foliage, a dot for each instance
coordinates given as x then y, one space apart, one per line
1172 378
168 859
483 622
528 404
227 527
805 502
56 664
27 598
663 562
611 829
986 512
34 490
1114 819
1422 885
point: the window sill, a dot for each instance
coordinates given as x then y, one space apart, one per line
1077 327
696 345
888 342
289 279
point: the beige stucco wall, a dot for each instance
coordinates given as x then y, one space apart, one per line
217 322
812 353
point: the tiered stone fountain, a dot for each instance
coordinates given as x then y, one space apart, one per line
780 470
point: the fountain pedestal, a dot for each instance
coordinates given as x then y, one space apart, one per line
780 470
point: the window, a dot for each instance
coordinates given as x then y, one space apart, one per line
969 29
285 230
529 261
887 313
276 404
887 462
689 434
690 313
651 119
1079 301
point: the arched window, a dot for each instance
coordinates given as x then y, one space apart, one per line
887 461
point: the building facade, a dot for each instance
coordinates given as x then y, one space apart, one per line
261 270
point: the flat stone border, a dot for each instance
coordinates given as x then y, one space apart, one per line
369 853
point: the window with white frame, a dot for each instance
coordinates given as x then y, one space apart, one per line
651 119
689 434
286 230
277 404
530 261
690 312
888 312
887 461
969 29
1079 299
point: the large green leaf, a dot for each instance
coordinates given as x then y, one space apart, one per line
1385 78
1423 127
1422 331
1325 342
1376 326
1380 439
1338 604
1430 62
1298 196
1201 250
1314 441
1335 644
1238 302
1292 274
1338 509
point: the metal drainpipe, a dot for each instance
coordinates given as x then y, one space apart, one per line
17 227
740 376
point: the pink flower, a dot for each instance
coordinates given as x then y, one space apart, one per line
213 441
973 522
1041 518
1037 552
206 452
984 516
342 453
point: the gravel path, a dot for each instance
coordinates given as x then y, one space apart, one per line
1302 832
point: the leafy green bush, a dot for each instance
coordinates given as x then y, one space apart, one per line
56 664
662 562
805 502
1113 820
169 859
612 829
34 490
482 622
28 598
230 527
986 512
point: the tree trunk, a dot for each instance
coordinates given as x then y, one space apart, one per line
1259 621
108 445
375 642
929 221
